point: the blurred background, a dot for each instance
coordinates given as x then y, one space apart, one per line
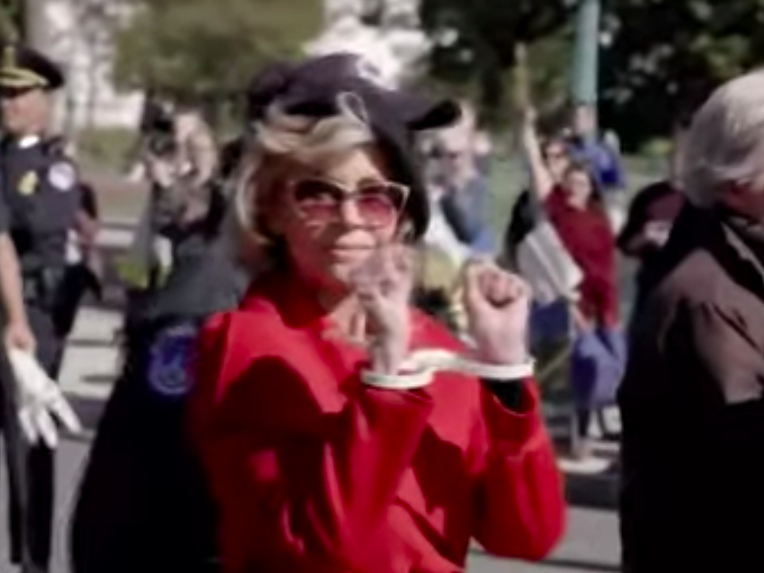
655 59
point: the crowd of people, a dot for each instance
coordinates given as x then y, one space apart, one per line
332 357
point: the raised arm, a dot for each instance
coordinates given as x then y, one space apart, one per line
541 180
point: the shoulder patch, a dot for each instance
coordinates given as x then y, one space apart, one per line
169 360
62 176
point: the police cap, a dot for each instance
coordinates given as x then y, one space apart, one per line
23 68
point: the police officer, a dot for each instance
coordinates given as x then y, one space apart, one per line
39 200
142 504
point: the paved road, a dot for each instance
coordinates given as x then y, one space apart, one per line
591 543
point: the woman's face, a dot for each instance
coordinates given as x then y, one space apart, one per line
334 218
578 186
557 160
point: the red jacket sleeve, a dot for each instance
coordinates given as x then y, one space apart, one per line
521 507
295 481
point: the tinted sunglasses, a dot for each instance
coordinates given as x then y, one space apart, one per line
378 203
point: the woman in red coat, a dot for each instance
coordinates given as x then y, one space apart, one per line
331 442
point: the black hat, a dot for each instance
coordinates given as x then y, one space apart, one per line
23 69
315 88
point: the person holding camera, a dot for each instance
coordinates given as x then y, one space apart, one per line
179 157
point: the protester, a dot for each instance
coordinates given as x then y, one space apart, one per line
464 192
525 211
440 234
574 207
323 450
691 401
651 215
590 148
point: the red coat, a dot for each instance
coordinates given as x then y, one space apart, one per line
315 472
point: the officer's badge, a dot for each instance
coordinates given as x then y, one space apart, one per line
169 361
28 183
62 176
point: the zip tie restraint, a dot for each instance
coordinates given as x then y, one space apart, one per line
418 369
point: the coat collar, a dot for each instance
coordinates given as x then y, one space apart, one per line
294 301
736 243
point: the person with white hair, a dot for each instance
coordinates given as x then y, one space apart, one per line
692 401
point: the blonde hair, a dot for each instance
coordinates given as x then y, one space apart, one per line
725 143
277 143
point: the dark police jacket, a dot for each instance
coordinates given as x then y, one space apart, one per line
40 199
143 502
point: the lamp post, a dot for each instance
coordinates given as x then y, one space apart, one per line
584 81
586 52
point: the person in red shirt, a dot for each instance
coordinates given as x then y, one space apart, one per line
574 206
331 439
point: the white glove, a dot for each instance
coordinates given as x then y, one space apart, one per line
39 399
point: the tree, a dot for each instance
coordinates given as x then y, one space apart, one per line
475 41
667 56
12 16
659 59
203 51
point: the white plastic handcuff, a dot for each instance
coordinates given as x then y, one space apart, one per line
418 369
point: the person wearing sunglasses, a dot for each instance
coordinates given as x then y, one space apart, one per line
339 429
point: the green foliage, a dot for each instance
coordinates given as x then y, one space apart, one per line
662 59
11 19
475 42
666 57
202 50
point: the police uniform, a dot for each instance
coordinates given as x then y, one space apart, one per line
39 198
143 503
